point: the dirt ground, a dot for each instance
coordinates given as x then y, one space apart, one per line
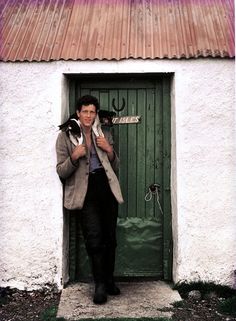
16 305
42 305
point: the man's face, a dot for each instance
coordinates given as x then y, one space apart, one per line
87 115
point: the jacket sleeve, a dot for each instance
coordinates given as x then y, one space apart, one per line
64 167
115 162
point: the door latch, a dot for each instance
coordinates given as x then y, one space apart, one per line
154 190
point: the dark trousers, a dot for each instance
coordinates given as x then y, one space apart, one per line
98 219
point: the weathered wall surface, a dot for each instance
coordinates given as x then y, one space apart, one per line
33 100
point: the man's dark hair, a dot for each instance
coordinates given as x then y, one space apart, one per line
87 100
83 101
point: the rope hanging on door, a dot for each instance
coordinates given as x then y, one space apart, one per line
154 191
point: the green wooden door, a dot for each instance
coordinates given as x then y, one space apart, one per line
144 232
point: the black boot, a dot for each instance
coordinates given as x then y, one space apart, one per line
100 294
111 287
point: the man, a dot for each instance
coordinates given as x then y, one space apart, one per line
86 162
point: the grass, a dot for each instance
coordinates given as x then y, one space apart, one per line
50 314
126 319
178 304
228 306
3 301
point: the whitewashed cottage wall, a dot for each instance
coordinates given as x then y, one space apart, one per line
34 100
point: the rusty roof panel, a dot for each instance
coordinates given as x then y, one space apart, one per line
44 30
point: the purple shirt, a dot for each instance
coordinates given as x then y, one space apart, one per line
94 160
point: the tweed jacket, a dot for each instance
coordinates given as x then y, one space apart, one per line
75 175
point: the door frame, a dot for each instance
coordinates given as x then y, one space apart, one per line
165 81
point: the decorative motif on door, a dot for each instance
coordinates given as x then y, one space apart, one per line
118 109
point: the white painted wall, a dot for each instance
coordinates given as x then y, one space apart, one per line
34 98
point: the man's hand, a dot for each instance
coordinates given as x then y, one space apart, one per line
78 152
105 146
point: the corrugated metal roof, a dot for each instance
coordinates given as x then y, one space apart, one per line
44 30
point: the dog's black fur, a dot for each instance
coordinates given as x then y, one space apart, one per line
105 117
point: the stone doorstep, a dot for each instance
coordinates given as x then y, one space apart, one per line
137 299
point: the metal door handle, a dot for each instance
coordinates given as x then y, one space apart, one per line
155 188
154 191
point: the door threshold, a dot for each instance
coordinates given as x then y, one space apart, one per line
137 299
